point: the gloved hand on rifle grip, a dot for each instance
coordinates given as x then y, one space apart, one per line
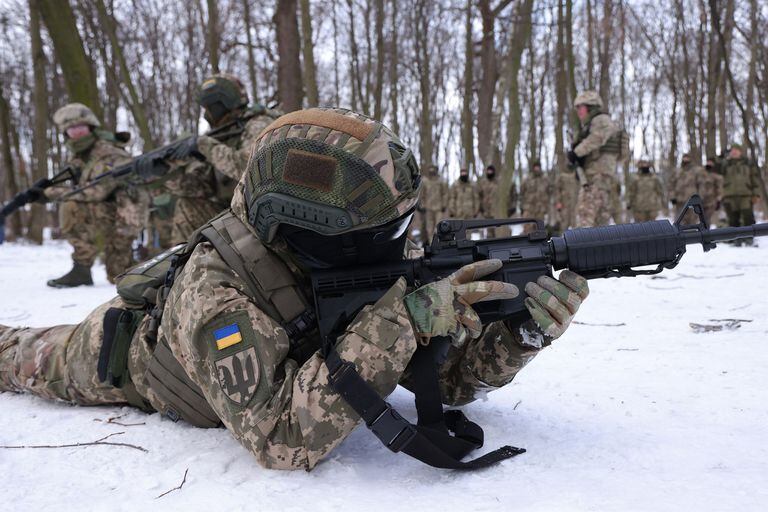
37 191
553 303
572 158
185 149
148 168
444 307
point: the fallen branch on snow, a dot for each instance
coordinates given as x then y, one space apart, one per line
730 324
178 488
113 421
98 442
598 325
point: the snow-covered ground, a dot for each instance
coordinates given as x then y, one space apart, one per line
630 410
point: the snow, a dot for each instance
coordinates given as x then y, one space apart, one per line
643 414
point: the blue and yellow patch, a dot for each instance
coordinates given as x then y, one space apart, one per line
227 336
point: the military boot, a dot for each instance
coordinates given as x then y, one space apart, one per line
79 275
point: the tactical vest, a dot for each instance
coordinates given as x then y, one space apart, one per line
269 284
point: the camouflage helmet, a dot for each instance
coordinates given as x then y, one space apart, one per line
737 145
644 163
589 98
74 114
330 171
220 94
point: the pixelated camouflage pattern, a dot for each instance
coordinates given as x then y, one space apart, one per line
230 157
597 163
645 196
535 193
433 203
595 203
388 189
589 98
73 114
113 211
489 196
566 195
713 193
463 200
444 307
58 362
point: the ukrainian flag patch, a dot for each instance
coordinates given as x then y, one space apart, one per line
227 336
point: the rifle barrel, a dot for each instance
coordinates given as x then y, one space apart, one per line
724 234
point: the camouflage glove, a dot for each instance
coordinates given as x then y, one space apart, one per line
444 308
553 303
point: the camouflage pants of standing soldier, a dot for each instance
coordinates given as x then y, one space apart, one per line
539 214
594 206
739 211
644 215
567 216
431 218
116 224
58 362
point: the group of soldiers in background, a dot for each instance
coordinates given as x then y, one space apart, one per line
191 189
592 196
197 185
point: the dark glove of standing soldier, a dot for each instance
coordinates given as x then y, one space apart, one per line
37 191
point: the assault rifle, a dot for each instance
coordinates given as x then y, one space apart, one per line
153 164
596 252
442 438
34 193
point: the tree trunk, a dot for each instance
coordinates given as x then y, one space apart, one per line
214 35
255 96
76 66
39 134
467 119
289 83
606 53
109 24
11 185
393 71
571 61
488 78
590 46
378 92
310 82
517 43
561 89
421 37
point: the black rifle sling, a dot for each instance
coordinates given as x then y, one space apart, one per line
430 441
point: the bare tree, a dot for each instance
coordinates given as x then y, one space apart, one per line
289 64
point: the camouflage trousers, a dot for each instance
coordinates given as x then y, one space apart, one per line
567 217
739 210
644 215
58 362
114 224
431 218
594 206
538 214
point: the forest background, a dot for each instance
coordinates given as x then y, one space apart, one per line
466 83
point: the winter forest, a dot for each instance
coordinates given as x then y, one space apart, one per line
465 83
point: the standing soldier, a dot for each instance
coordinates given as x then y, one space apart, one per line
489 193
463 198
111 210
535 193
433 202
199 190
596 149
740 189
690 179
713 190
645 196
224 100
566 196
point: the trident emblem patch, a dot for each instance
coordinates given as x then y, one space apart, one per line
239 375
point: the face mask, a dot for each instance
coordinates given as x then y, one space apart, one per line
686 162
490 175
645 170
709 167
215 112
464 178
82 144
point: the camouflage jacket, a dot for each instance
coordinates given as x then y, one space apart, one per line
434 194
690 179
645 193
230 157
283 410
596 162
489 190
463 200
100 158
535 193
740 178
